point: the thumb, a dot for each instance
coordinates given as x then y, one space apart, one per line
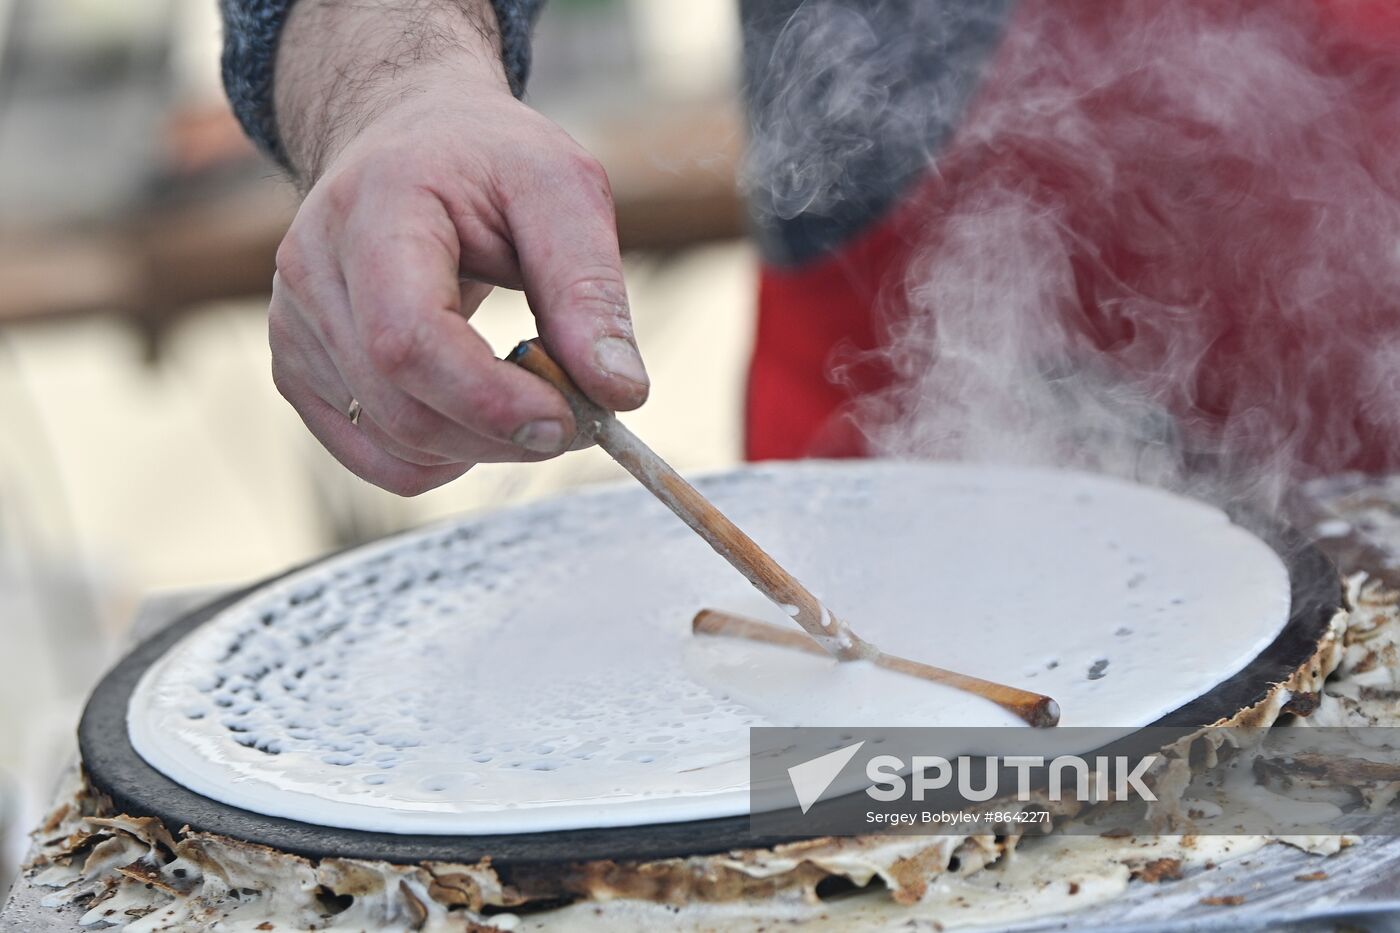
565 234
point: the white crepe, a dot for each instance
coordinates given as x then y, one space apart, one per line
533 670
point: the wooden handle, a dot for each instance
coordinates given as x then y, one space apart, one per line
695 510
827 633
530 356
1038 710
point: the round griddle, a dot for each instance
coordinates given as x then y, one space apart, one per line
115 769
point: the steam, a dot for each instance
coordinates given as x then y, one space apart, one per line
1163 242
841 91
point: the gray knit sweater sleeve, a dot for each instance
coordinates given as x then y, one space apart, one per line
251 28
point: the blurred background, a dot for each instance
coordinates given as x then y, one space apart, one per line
142 445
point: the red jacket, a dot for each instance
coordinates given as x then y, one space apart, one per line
1225 189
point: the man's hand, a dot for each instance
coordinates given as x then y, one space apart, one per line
429 183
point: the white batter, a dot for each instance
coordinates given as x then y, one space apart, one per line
534 670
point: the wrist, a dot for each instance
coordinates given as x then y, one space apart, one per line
340 66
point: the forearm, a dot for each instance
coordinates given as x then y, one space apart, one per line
340 64
255 35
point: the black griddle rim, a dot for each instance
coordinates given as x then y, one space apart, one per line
114 768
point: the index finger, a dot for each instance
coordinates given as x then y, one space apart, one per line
561 219
399 255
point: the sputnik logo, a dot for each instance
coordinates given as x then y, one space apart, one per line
812 778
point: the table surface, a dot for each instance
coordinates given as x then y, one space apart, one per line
1362 883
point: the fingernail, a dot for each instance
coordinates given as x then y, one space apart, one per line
544 436
618 357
